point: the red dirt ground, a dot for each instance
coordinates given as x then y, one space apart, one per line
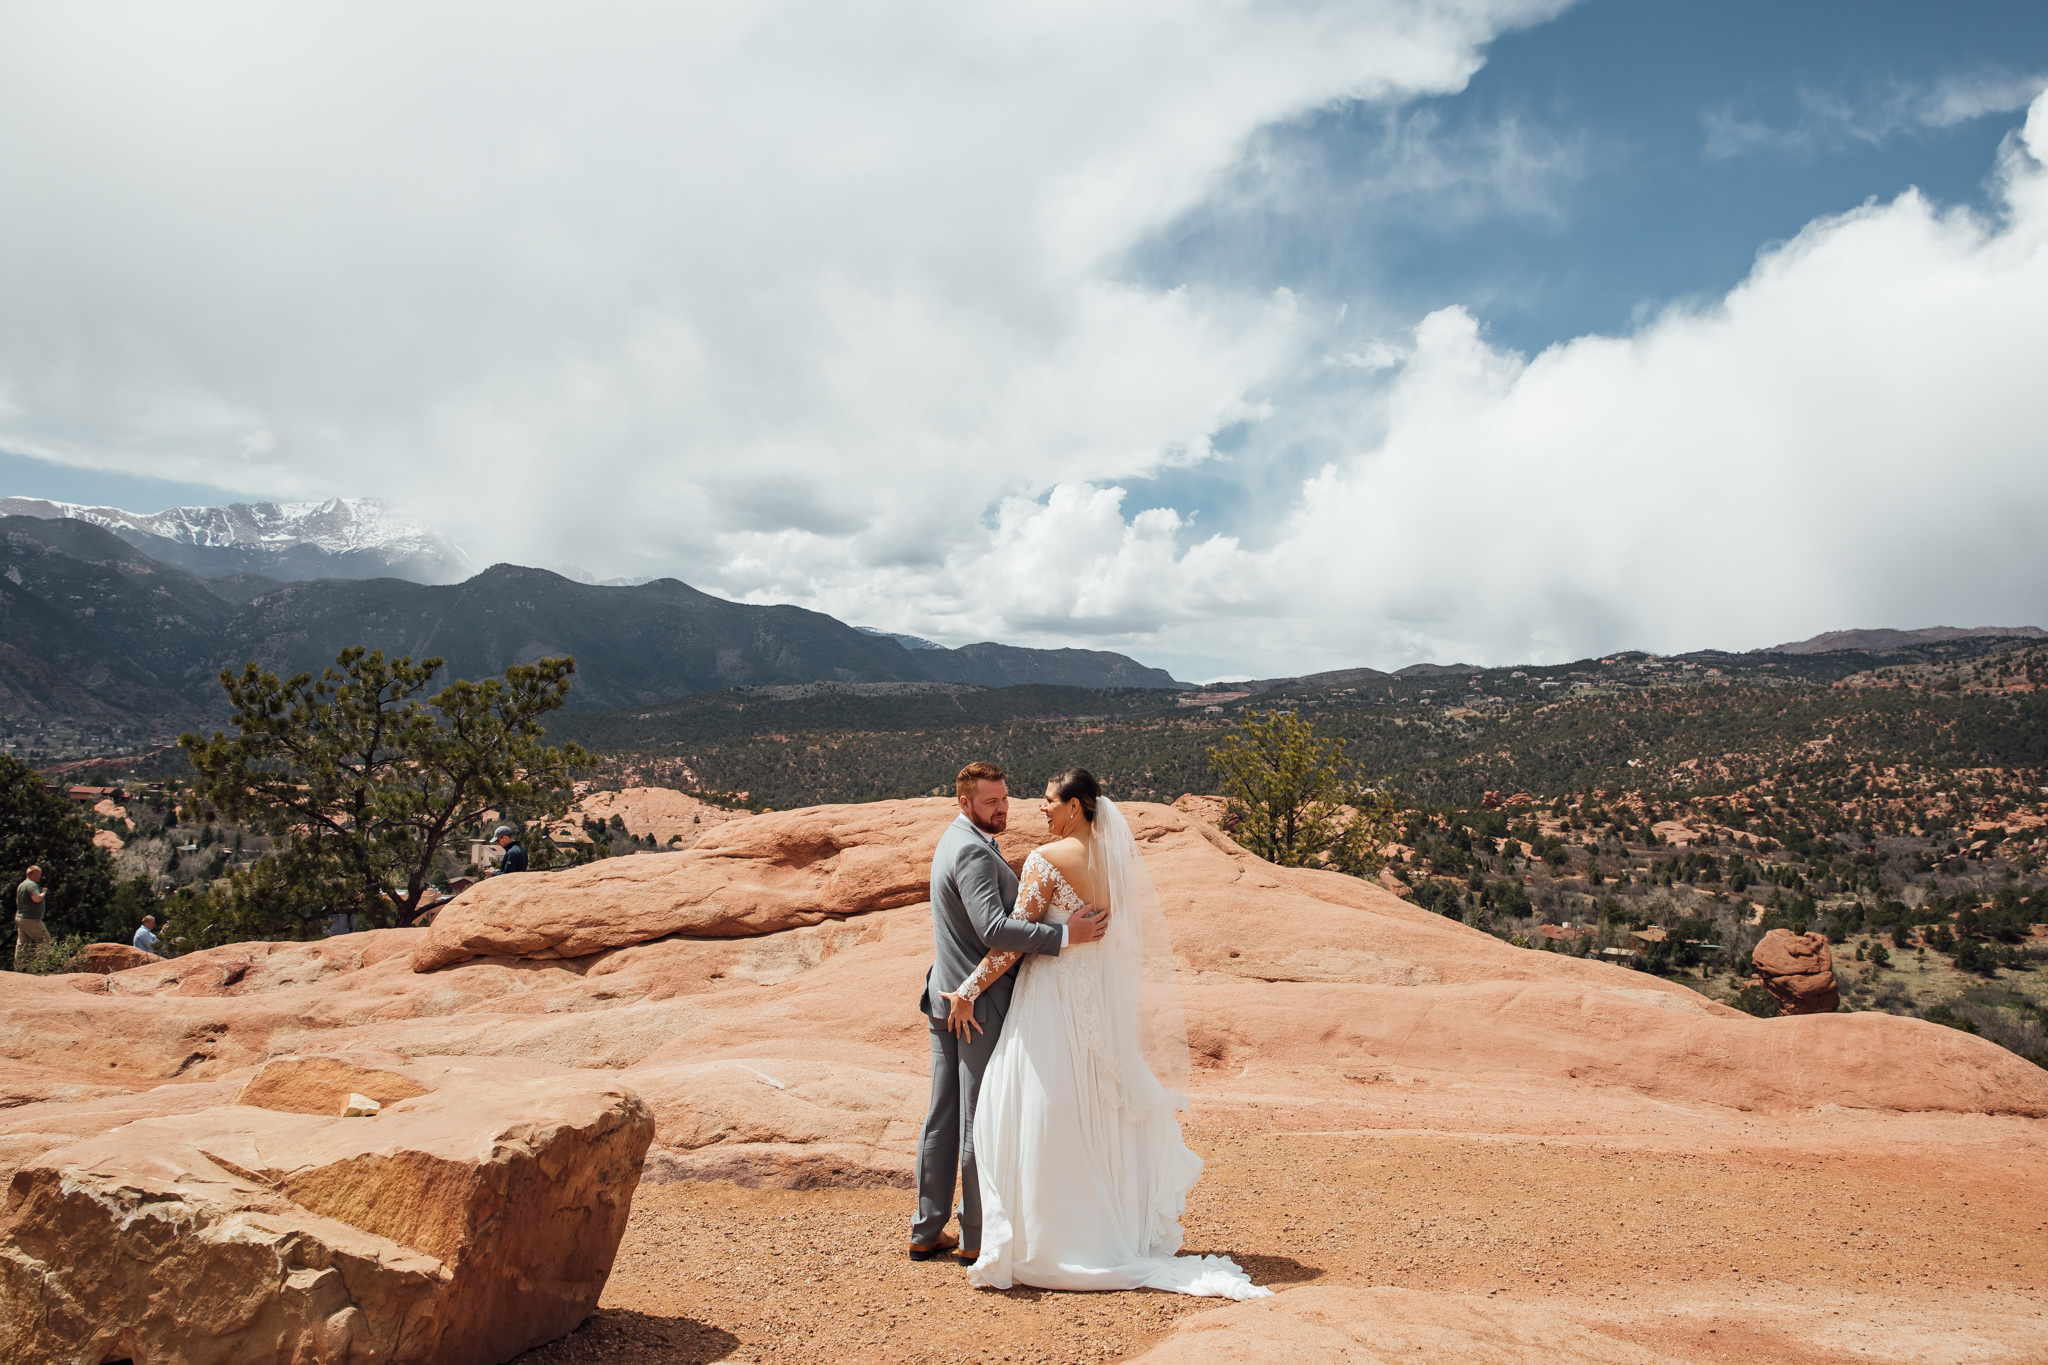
1740 1255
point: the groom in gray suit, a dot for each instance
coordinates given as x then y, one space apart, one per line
973 892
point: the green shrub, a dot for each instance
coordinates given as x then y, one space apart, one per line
1972 956
47 959
1755 1000
1948 1018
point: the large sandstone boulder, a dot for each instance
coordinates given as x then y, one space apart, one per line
476 1216
1799 970
104 959
756 876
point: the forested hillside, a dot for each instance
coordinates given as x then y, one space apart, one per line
1665 726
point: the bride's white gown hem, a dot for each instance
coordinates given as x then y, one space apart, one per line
1083 1172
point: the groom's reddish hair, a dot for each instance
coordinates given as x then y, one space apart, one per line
974 772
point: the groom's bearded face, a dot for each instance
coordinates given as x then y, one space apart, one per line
988 807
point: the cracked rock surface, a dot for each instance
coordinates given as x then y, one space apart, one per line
475 1216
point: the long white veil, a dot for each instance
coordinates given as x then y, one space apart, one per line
1142 990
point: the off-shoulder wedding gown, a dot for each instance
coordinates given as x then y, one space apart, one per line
1083 1172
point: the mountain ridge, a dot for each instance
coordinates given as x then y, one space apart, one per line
1856 641
1882 640
337 538
102 639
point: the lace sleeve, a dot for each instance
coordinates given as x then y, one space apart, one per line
1034 898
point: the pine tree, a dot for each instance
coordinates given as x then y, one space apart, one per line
1292 801
360 778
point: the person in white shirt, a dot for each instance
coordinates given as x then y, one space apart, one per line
145 937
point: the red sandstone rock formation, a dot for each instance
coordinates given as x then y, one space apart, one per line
754 994
1799 970
324 1085
476 1216
104 959
660 811
746 878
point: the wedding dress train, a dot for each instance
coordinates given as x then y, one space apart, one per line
1083 1172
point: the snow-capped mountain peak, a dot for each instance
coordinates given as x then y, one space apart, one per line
338 538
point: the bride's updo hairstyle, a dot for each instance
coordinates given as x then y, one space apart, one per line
1079 784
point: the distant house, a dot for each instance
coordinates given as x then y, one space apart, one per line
92 796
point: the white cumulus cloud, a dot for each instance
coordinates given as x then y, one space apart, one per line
1855 435
761 294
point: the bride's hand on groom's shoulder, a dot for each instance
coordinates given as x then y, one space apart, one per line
961 1018
1088 924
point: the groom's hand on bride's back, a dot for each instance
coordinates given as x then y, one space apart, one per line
1088 924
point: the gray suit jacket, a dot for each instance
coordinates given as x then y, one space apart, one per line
973 892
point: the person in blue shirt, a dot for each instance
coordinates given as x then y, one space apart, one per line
145 937
515 852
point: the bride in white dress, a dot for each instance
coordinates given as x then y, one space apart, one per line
1083 1172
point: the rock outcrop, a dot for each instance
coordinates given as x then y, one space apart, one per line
104 959
746 878
669 816
1799 970
759 996
476 1216
324 1085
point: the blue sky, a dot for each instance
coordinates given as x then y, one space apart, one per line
1600 167
24 477
1244 339
1619 157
